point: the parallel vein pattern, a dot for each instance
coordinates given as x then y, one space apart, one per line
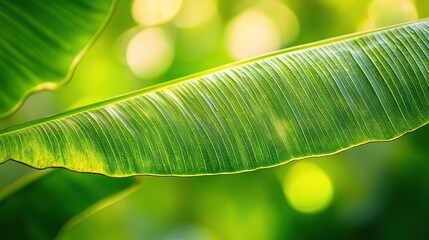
300 103
39 41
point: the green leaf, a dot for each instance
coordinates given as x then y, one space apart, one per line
41 42
45 205
307 101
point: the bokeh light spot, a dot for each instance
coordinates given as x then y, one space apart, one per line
150 53
308 188
195 12
153 12
252 33
388 12
283 18
265 27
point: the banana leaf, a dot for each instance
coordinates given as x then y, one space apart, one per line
305 101
45 205
42 41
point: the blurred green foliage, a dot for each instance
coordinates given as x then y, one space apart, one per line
46 204
380 190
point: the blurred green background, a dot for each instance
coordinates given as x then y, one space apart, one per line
379 190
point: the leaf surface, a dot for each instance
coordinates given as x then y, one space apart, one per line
41 42
44 206
306 101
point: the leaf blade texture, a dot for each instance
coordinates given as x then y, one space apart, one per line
307 101
41 43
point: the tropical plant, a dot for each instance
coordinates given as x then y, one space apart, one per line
312 100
